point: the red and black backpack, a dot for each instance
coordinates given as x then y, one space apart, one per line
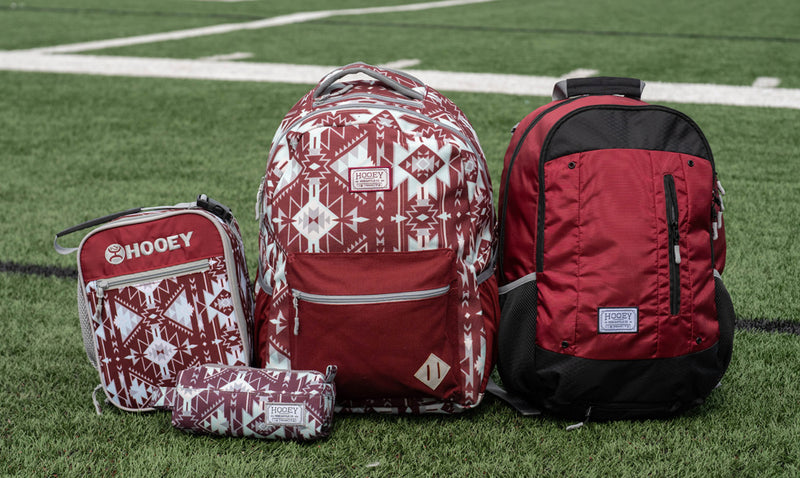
611 248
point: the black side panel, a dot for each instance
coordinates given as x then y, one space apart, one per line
631 127
727 322
616 389
516 339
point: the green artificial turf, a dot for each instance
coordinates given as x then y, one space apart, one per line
75 147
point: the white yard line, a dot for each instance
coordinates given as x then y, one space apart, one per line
524 85
766 82
401 64
254 25
237 55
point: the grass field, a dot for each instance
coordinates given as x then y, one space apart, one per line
74 147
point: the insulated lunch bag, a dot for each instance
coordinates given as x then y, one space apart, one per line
611 249
376 245
160 290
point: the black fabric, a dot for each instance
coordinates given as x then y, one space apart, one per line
727 322
624 389
605 389
516 338
604 85
631 127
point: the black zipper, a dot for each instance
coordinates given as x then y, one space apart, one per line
502 230
546 145
673 232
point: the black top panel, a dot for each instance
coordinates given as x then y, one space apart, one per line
626 127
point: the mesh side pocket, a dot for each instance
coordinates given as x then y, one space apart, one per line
516 338
87 331
727 321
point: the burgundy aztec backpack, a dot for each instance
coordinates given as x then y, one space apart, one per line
160 290
610 253
376 246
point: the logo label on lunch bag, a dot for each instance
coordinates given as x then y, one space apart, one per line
116 253
370 179
618 320
286 413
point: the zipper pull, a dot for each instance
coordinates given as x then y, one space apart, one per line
676 233
295 302
100 293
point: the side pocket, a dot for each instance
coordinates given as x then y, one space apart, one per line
261 332
87 326
516 337
727 319
487 290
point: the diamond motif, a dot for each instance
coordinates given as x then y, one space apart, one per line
160 352
432 371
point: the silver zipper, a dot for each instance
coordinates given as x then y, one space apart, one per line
151 276
326 299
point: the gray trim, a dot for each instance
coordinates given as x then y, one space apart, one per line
392 84
324 101
153 275
370 298
513 285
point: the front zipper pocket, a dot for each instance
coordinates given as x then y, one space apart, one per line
145 277
386 320
149 325
673 233
360 299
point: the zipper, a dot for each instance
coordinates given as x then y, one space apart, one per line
365 299
502 230
543 157
354 97
673 232
118 282
150 276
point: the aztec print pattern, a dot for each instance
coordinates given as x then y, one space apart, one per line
248 402
163 327
437 197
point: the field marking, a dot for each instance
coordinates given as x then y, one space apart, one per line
766 82
580 73
525 85
401 64
237 55
280 20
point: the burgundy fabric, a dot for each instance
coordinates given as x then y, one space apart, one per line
204 242
523 185
612 250
377 346
369 191
606 243
143 331
248 402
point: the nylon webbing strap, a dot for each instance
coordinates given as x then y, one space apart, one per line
514 401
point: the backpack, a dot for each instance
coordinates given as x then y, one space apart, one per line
375 248
611 249
160 290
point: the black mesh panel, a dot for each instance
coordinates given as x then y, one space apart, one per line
516 339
